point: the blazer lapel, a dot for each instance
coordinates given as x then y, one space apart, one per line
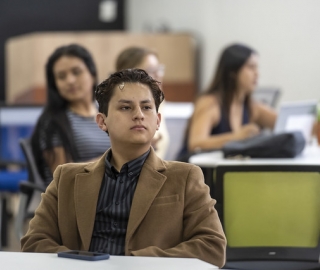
87 188
148 186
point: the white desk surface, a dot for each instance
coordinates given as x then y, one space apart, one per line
309 156
50 261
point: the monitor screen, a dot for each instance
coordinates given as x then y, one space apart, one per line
16 122
297 116
262 209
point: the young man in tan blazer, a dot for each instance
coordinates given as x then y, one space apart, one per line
129 202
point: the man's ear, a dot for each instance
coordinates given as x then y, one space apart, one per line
100 120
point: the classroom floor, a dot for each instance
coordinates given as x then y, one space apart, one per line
13 243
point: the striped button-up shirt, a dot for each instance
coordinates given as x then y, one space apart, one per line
114 203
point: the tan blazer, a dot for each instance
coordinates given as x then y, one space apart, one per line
172 213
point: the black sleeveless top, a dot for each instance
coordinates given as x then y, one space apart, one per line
222 127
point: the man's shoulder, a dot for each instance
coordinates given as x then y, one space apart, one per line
76 167
178 166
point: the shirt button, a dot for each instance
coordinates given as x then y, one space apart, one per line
117 203
112 240
115 224
121 181
130 173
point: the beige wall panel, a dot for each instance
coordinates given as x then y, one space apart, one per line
26 57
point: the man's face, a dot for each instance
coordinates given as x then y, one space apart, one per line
132 116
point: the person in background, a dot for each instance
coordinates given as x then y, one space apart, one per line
66 130
226 112
129 202
143 58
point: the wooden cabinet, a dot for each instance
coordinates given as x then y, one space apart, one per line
26 56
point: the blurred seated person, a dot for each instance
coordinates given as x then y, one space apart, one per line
143 58
66 130
226 112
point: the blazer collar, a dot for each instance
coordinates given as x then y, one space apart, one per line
149 184
87 189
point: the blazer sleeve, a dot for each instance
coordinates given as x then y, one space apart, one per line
43 234
202 231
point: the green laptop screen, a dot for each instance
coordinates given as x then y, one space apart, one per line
278 209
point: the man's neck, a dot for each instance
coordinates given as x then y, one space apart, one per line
123 155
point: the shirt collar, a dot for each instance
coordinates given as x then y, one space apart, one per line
131 168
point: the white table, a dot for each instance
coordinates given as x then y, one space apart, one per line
309 156
50 261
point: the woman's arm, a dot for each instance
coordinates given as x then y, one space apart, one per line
263 115
205 117
55 157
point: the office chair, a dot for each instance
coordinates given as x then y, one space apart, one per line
27 188
270 215
269 96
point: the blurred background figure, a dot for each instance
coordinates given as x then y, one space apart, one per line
66 131
226 112
138 57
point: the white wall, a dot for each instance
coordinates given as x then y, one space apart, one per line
286 33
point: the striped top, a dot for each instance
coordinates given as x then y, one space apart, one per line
114 204
90 141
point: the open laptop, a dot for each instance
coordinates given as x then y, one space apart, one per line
297 116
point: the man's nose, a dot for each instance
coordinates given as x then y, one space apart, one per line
138 113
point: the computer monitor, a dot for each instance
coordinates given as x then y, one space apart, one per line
268 96
16 122
297 116
270 213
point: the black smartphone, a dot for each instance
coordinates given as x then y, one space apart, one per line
84 255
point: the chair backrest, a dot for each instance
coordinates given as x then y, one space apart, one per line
270 212
268 96
33 172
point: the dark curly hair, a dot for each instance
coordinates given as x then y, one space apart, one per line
105 90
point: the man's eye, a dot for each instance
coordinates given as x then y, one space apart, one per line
147 107
124 108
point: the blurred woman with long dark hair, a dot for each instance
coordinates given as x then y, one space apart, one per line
226 112
66 131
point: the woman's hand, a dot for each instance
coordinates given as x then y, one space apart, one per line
247 131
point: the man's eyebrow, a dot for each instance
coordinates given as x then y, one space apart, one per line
124 101
130 101
145 101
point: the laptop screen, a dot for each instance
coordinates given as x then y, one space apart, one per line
16 122
297 116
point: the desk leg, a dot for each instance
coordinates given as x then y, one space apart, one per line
1 218
208 179
3 222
